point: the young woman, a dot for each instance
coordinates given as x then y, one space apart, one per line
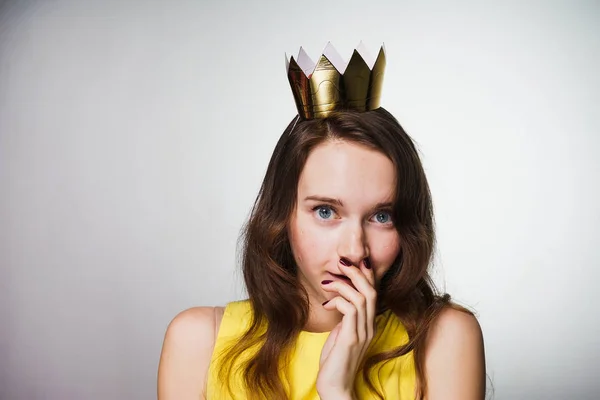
335 262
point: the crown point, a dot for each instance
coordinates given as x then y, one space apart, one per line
305 62
365 54
381 54
334 58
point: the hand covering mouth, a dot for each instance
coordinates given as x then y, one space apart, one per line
343 278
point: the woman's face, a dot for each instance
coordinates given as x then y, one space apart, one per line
343 210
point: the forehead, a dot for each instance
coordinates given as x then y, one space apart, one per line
348 171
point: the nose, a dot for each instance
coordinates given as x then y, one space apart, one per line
353 244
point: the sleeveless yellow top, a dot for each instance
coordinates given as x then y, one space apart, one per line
395 379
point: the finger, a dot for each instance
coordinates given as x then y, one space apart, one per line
363 280
367 269
357 300
348 332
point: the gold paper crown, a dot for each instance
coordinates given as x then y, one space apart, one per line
332 84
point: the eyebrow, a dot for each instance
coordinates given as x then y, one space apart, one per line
338 202
325 200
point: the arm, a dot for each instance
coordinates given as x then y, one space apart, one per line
186 354
455 358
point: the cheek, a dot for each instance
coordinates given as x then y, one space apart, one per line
312 247
384 252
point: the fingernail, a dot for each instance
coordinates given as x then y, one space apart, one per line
367 263
345 262
325 282
326 302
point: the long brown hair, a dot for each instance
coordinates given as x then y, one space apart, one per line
280 304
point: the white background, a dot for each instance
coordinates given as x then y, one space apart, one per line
134 137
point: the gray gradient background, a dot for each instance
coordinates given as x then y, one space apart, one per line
134 135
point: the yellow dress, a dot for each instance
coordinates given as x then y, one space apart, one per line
395 379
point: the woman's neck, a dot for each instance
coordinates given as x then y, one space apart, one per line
320 319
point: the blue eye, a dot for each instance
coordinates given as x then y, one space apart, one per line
383 217
324 212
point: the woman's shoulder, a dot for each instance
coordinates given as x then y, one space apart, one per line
187 350
196 329
197 321
455 321
455 338
201 324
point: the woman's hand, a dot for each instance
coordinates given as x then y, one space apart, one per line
349 340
